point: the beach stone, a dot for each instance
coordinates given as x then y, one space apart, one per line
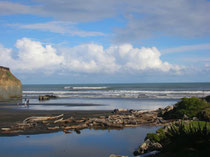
195 119
154 146
143 148
148 146
185 117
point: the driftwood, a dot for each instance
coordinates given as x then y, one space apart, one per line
59 120
117 120
67 132
53 128
5 129
38 119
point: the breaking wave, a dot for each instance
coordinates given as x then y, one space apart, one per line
88 92
84 88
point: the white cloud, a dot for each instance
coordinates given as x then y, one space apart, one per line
66 28
89 58
6 56
141 59
33 56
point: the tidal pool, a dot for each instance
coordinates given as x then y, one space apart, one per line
90 143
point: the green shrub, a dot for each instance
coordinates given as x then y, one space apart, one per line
191 139
191 107
184 139
153 137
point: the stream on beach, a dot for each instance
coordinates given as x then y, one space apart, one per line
90 143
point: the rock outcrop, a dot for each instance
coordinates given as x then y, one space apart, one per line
47 97
10 86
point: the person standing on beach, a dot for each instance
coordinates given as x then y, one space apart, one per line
25 102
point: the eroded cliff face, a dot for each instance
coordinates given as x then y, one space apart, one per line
10 86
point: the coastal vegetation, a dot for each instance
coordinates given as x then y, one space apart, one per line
188 135
189 108
185 138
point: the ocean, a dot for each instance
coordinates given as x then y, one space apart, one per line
111 96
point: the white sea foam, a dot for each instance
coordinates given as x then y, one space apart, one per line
68 87
86 88
120 94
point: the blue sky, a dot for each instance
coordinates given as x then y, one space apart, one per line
92 41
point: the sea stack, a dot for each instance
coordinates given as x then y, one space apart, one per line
10 86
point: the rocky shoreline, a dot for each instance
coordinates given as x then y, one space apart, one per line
117 119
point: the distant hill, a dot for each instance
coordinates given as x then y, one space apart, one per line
10 86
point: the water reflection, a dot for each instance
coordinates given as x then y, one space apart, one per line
91 143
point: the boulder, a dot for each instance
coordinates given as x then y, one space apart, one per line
162 111
120 110
148 146
185 117
47 97
10 86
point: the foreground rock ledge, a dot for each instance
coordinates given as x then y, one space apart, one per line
118 120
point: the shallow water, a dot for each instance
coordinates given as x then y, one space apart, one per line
90 143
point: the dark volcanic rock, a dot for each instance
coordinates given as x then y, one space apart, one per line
47 97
